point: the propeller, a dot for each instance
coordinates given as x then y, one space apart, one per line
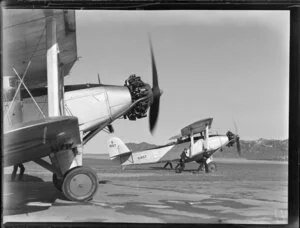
237 139
99 82
238 145
156 93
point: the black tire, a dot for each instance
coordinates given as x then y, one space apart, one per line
80 184
212 167
57 182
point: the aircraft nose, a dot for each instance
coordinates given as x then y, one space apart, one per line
119 99
230 135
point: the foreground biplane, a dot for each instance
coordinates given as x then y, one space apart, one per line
39 50
199 144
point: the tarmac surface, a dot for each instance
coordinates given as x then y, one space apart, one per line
240 191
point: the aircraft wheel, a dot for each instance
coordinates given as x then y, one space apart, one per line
57 182
212 167
80 184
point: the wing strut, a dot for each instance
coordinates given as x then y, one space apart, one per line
192 145
54 78
206 137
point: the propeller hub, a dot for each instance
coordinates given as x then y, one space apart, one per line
234 139
230 135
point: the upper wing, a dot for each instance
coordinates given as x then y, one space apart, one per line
36 139
196 127
175 137
24 38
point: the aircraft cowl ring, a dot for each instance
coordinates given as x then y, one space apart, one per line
138 89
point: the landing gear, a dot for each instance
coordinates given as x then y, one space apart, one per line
79 184
57 182
212 167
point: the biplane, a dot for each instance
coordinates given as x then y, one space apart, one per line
39 50
194 143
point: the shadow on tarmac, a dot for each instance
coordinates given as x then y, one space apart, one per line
26 178
160 168
189 170
29 195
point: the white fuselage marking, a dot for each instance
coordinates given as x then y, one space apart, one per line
148 156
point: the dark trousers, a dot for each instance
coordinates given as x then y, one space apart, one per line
170 164
203 162
14 173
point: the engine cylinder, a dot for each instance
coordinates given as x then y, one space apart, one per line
138 89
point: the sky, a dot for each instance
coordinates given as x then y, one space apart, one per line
232 66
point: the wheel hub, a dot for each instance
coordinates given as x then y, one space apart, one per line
81 184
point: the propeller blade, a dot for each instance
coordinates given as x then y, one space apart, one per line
238 145
154 71
237 138
99 82
154 111
154 108
236 130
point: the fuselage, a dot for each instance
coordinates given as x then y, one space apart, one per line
97 106
173 151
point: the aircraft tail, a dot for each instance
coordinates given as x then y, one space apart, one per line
117 148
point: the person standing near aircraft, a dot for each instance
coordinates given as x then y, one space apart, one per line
183 156
180 166
202 162
14 173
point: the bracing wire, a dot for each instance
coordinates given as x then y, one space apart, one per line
24 75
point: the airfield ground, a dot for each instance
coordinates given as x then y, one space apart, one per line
240 191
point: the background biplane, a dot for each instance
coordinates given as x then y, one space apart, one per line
199 143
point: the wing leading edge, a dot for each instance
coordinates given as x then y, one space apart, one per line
196 127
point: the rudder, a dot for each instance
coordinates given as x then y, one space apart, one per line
116 147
